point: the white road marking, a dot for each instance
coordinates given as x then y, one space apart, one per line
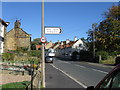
100 71
84 86
64 62
101 65
80 66
92 69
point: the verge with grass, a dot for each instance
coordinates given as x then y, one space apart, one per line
22 85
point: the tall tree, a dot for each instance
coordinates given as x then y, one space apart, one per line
107 33
113 12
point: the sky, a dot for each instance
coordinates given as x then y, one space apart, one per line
75 18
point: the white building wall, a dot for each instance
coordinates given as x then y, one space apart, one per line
67 52
1 36
77 44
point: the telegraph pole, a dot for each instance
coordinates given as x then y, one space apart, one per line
94 27
43 53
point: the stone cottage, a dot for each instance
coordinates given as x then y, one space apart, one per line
17 37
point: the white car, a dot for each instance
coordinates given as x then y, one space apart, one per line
49 59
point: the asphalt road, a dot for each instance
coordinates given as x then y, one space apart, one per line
57 79
70 74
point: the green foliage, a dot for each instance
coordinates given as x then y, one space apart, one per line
104 55
107 33
113 12
110 60
115 53
36 60
21 49
16 85
35 53
34 43
8 56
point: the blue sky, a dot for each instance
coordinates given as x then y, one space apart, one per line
75 18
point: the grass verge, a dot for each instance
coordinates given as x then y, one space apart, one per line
18 85
110 60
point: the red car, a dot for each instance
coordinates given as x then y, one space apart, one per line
110 82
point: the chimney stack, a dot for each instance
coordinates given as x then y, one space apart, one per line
75 38
17 24
58 42
62 43
67 41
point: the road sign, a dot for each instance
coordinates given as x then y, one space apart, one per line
53 30
43 39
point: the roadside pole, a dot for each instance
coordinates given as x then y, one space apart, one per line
94 27
43 53
47 30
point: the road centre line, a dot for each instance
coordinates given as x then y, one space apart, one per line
100 71
92 69
84 86
64 62
80 66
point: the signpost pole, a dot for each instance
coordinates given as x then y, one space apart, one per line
43 54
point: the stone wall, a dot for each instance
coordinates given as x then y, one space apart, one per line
10 40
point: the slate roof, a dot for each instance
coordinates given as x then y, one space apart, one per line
3 22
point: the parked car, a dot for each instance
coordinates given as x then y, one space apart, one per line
110 82
49 59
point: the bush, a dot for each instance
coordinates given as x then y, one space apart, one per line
21 49
115 53
8 56
36 60
35 53
104 55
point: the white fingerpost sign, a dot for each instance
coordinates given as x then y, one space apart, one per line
53 30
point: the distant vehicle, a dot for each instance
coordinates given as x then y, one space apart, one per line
110 82
50 56
49 59
50 52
